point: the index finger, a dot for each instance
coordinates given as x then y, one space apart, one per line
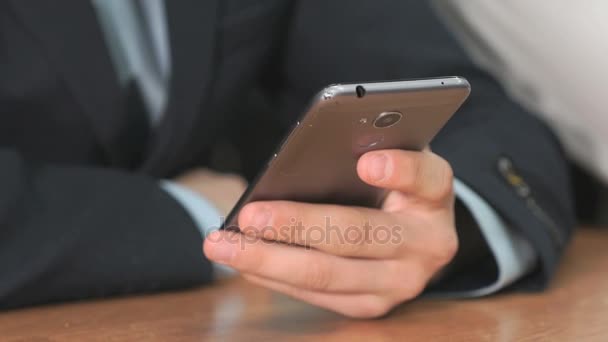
334 229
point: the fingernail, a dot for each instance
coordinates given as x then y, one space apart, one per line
222 252
377 169
261 218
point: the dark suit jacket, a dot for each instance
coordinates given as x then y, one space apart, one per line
81 212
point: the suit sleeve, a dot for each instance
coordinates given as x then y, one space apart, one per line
69 233
502 153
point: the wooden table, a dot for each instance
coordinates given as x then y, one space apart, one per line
575 309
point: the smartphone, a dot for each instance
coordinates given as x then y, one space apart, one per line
317 161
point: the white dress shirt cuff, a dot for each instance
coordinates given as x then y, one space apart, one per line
204 215
513 254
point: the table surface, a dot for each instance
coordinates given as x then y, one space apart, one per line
574 309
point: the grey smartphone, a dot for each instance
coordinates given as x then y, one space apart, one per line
316 162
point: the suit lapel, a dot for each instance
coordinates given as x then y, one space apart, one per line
72 38
70 34
191 25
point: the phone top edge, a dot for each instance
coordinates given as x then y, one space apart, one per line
382 87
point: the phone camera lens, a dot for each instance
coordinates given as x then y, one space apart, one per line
387 119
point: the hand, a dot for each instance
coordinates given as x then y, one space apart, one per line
223 190
375 259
